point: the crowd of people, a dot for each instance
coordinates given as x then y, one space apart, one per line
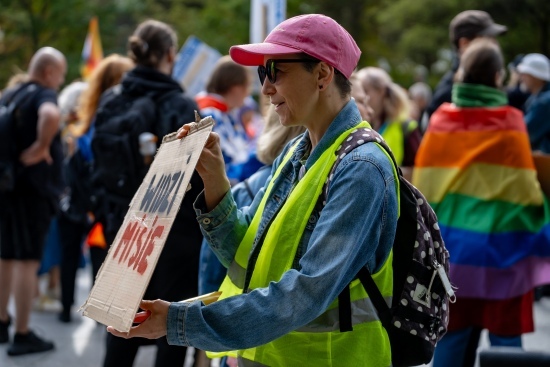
268 220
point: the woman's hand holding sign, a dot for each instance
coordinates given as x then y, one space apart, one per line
153 327
211 168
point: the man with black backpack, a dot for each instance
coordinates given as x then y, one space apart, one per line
30 176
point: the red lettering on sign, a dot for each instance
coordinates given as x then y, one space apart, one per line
133 242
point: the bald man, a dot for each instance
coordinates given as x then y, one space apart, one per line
26 212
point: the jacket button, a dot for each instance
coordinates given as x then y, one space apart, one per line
312 219
206 221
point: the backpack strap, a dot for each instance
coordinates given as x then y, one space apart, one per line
344 310
355 139
375 296
18 98
21 95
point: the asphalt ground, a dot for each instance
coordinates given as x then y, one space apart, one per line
81 342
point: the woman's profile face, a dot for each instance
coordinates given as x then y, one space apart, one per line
294 93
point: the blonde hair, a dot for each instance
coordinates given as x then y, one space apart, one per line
396 103
108 73
274 137
69 97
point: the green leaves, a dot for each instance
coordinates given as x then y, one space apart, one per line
401 33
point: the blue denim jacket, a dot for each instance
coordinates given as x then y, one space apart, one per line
355 228
211 271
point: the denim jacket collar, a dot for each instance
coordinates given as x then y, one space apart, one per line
348 117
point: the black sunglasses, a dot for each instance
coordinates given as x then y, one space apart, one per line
270 69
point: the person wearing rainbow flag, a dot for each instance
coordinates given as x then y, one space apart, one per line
475 167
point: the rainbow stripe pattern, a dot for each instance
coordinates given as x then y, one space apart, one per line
475 168
92 53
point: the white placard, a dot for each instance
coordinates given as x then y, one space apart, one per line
127 270
265 15
194 64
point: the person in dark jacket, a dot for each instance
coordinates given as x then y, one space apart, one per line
534 71
153 49
74 220
517 95
463 29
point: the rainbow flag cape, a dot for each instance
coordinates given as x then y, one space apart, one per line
92 53
475 168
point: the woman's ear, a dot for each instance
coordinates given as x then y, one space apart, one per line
326 74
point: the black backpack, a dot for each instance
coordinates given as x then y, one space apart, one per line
418 316
119 167
9 115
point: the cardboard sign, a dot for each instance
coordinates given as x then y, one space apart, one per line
126 272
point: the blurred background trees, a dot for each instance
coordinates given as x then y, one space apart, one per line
408 38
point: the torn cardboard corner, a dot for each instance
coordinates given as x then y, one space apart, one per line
126 272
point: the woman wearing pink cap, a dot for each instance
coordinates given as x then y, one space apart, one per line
307 233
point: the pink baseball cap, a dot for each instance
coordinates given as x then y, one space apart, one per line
314 34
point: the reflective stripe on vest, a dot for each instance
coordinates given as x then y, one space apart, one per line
362 311
366 346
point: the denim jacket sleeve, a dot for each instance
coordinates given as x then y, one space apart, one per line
225 226
349 235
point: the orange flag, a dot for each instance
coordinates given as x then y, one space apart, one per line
92 53
96 237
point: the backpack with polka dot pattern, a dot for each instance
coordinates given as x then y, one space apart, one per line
418 315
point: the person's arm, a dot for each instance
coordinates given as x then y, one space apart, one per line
47 127
338 247
349 234
536 120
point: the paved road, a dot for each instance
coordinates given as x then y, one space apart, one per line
81 343
78 344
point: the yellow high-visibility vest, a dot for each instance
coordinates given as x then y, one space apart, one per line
319 343
394 135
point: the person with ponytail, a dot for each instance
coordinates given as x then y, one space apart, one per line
152 47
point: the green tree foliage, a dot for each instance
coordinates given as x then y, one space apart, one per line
418 29
27 25
400 34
